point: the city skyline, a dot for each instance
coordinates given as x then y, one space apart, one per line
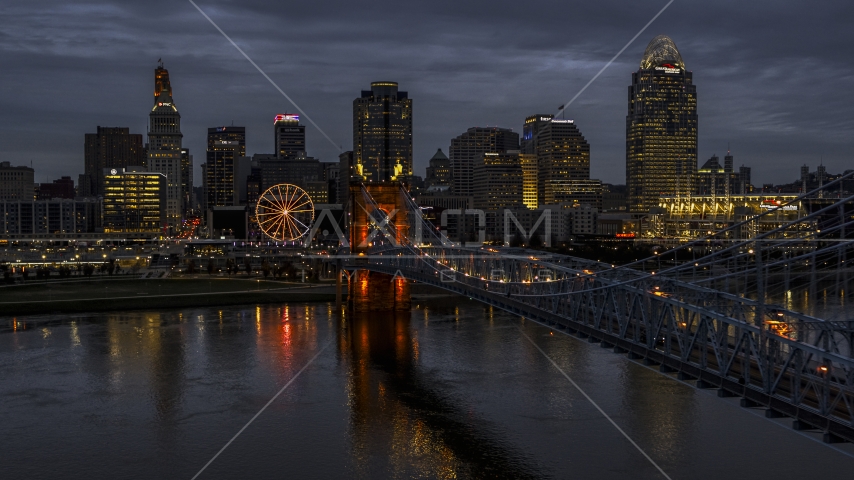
754 97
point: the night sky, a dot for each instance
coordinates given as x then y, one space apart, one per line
775 80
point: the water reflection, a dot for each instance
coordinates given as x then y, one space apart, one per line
450 390
396 411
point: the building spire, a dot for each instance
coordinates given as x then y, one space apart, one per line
162 87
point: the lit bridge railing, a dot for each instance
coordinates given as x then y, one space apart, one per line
705 316
791 363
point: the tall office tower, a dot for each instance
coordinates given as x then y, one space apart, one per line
134 200
439 172
164 144
217 135
382 133
254 184
221 174
529 179
290 136
110 147
744 180
186 181
661 127
531 129
563 159
472 144
498 181
227 169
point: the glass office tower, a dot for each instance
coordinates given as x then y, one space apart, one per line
382 133
661 128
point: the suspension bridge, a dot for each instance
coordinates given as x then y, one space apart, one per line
752 311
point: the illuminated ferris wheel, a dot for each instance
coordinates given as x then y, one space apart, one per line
285 212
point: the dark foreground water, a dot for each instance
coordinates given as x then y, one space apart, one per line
453 390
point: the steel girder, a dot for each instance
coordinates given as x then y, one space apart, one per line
716 337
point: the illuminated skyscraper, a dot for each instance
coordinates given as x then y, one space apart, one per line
531 129
562 162
470 146
186 180
217 135
164 146
221 174
290 136
661 128
528 162
382 133
498 181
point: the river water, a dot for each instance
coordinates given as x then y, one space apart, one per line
452 390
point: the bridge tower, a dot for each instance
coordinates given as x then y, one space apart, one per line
374 291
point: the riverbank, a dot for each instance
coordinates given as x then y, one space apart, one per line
102 295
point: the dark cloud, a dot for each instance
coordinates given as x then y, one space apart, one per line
774 79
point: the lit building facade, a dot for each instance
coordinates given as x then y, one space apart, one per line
528 162
661 128
289 136
134 201
382 133
221 175
470 146
186 181
563 159
164 146
217 135
531 129
498 181
688 218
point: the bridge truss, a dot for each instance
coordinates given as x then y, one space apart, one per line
760 316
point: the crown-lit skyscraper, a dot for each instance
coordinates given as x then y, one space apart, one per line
290 136
164 146
382 133
661 127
